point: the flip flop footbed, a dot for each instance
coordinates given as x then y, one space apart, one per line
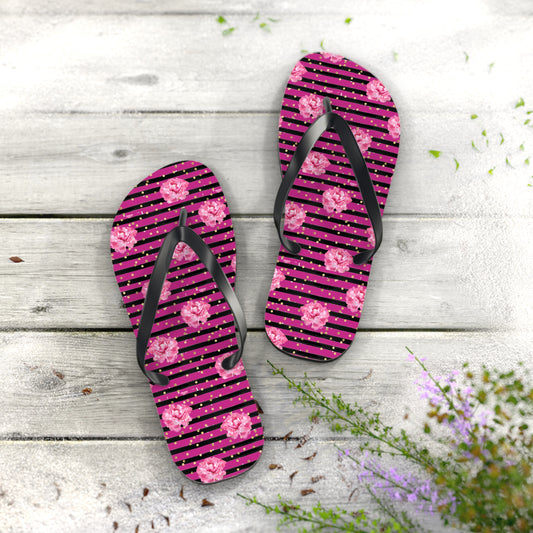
316 297
209 417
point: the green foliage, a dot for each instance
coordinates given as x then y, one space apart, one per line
435 153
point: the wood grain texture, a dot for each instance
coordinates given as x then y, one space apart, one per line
422 278
44 374
89 63
86 164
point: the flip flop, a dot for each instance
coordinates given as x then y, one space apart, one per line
339 135
173 253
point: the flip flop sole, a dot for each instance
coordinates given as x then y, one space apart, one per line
316 297
209 416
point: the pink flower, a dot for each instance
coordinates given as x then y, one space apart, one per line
183 252
234 262
165 291
311 106
174 190
280 121
335 200
195 313
123 238
237 370
277 279
314 314
211 469
294 216
371 237
393 124
376 91
297 73
177 416
355 298
276 336
338 260
212 212
164 350
363 138
237 425
315 164
334 58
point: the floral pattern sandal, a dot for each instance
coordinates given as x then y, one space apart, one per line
173 253
339 135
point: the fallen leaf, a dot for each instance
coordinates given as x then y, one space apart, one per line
302 441
115 526
435 153
58 374
310 457
275 467
221 20
207 503
145 493
259 410
305 492
292 475
473 116
167 519
137 528
181 494
153 525
520 103
347 20
128 505
108 509
87 391
315 479
287 436
405 416
16 259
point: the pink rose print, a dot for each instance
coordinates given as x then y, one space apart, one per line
371 237
174 190
338 260
183 252
376 91
334 58
237 425
276 336
311 106
195 313
294 216
314 314
211 469
315 164
123 238
165 291
297 73
177 416
212 212
234 262
164 350
393 124
363 138
335 200
277 279
237 370
280 121
355 298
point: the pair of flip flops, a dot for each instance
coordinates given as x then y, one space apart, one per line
173 253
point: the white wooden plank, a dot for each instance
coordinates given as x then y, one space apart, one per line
86 164
90 486
44 374
430 273
116 63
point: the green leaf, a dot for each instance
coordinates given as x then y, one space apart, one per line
527 161
491 171
526 122
227 31
484 133
502 140
474 146
508 163
303 51
264 26
322 44
456 164
522 147
347 20
466 57
395 56
435 153
473 116
273 20
520 103
256 17
490 66
221 20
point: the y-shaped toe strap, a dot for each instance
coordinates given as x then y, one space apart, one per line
330 120
183 233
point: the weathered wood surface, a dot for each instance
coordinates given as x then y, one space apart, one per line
44 374
86 164
430 273
88 63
